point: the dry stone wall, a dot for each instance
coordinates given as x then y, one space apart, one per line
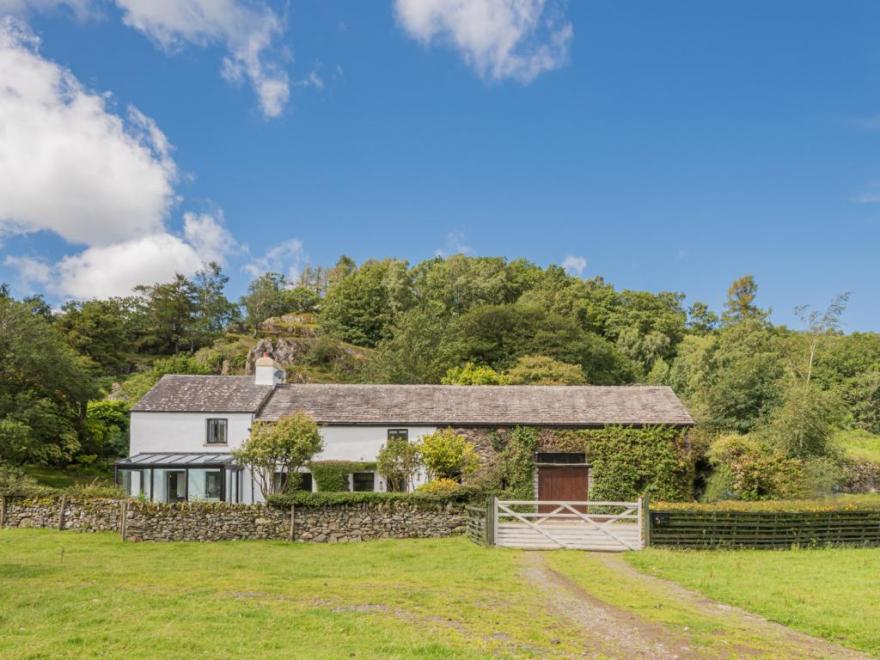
203 521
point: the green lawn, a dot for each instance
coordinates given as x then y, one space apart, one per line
72 594
859 444
833 593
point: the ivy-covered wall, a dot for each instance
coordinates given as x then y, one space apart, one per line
625 462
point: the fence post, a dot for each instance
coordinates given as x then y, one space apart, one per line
3 511
645 515
124 522
489 536
292 518
61 513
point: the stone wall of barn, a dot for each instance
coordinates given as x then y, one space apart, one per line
204 521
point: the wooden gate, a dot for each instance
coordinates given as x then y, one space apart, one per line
552 525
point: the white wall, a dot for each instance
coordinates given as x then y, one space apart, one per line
158 432
155 432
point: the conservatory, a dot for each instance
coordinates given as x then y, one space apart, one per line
181 477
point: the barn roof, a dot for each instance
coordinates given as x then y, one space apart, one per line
484 405
204 394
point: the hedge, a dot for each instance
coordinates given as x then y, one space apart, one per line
839 503
306 499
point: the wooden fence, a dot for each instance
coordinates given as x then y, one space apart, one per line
763 529
480 524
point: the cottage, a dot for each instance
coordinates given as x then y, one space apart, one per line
183 429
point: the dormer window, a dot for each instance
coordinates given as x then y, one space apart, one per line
216 432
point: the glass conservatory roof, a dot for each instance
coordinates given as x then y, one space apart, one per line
183 460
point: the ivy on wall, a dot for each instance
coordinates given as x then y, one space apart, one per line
332 476
626 461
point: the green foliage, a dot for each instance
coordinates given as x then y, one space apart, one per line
448 455
44 387
804 423
740 305
334 498
472 374
332 476
747 470
107 425
271 295
14 481
101 330
543 370
364 304
442 486
138 384
858 444
626 462
398 461
864 502
284 446
517 477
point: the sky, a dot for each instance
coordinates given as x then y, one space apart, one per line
663 146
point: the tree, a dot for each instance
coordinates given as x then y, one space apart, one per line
740 305
169 316
107 425
362 306
701 319
283 447
803 425
100 329
399 460
472 374
213 310
44 387
819 324
448 455
543 370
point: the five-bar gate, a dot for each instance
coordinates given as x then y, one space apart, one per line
550 525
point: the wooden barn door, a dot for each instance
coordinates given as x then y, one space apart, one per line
567 483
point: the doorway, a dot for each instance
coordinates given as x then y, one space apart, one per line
175 486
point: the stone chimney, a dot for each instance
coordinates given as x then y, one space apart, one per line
268 372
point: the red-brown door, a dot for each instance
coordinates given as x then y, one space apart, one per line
562 482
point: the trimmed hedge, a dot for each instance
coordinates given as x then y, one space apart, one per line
840 503
319 499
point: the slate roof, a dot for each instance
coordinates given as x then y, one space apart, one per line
450 405
204 394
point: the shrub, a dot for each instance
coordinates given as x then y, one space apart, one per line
14 481
305 499
543 370
284 446
471 374
449 455
440 487
332 476
398 461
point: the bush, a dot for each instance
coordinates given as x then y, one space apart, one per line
14 481
471 374
448 455
543 370
398 461
305 499
440 487
332 476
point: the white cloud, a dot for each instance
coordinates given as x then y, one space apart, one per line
208 237
248 29
518 39
312 80
30 271
80 8
114 270
574 264
454 244
67 163
286 257
870 195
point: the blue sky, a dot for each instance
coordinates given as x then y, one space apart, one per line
670 146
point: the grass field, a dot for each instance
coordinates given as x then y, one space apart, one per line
833 593
88 594
65 478
859 444
67 594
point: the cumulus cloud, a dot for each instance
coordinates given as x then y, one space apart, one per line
68 164
286 257
248 29
499 39
79 8
574 264
71 166
114 270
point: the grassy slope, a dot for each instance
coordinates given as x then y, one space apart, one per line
429 598
56 477
834 594
859 444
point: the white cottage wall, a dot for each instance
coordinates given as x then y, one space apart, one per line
175 432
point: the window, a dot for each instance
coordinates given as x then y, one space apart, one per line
216 432
398 434
362 481
212 485
304 482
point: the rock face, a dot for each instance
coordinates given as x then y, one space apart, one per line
206 521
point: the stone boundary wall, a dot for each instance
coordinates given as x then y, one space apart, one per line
206 521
